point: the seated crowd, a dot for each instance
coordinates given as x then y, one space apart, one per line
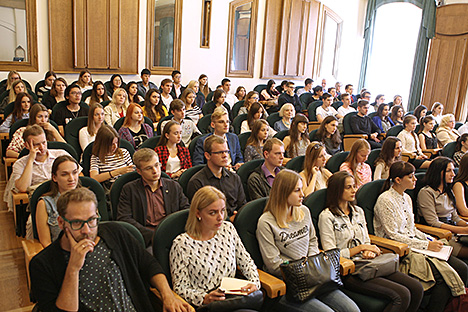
211 152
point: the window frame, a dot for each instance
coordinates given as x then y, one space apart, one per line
163 70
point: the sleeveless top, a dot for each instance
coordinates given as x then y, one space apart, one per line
51 208
431 142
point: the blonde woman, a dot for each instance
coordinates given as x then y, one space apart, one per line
446 131
315 175
117 108
16 88
200 98
355 162
209 250
279 240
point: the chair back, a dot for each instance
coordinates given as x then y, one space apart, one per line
9 109
449 149
366 198
246 225
237 106
151 142
374 154
131 229
39 84
204 124
312 135
72 130
187 175
334 163
105 103
393 131
281 134
193 144
16 125
414 192
159 126
337 104
4 95
170 227
260 87
312 108
209 97
55 145
305 99
371 115
296 164
245 170
316 202
89 183
243 137
88 150
458 125
347 123
237 123
273 118
86 94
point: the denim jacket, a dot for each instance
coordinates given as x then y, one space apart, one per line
338 231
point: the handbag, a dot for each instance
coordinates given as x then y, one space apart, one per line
312 276
252 301
382 265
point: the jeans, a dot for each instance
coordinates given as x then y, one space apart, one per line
332 301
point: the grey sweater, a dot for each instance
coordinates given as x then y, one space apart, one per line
285 244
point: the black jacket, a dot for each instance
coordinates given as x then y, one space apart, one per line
363 125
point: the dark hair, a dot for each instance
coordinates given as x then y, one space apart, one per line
462 170
112 81
395 110
217 94
268 88
167 128
335 189
145 71
54 189
388 151
423 121
254 108
224 81
95 97
418 110
326 96
253 138
361 103
294 134
135 98
317 89
348 85
462 138
380 110
434 178
398 169
308 81
322 132
69 88
17 112
175 72
50 73
52 91
149 107
165 81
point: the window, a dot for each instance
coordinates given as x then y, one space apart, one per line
331 42
242 37
392 52
164 35
18 31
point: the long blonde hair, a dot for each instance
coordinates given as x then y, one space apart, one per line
202 199
114 99
314 149
284 184
12 93
358 145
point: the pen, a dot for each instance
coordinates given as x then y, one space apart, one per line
430 238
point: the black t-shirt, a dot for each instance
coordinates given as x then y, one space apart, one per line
63 116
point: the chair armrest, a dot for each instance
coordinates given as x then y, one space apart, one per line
346 266
158 294
273 286
313 125
4 136
31 248
400 249
20 198
355 136
464 218
431 152
62 131
437 232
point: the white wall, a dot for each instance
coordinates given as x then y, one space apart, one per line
195 60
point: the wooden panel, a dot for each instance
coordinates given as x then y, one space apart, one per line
61 36
97 27
79 32
115 19
451 19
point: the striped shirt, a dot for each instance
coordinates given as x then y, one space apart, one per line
112 162
194 113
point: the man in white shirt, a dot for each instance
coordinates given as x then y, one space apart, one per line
166 88
307 87
326 109
34 168
346 108
231 99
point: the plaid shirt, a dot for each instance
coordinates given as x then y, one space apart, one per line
182 153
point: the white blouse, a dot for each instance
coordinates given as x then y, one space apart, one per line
173 164
409 143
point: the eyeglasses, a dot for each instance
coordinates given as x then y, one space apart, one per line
220 152
75 93
78 224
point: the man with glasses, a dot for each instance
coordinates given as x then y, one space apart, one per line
215 174
73 109
93 267
261 179
220 124
290 97
146 201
